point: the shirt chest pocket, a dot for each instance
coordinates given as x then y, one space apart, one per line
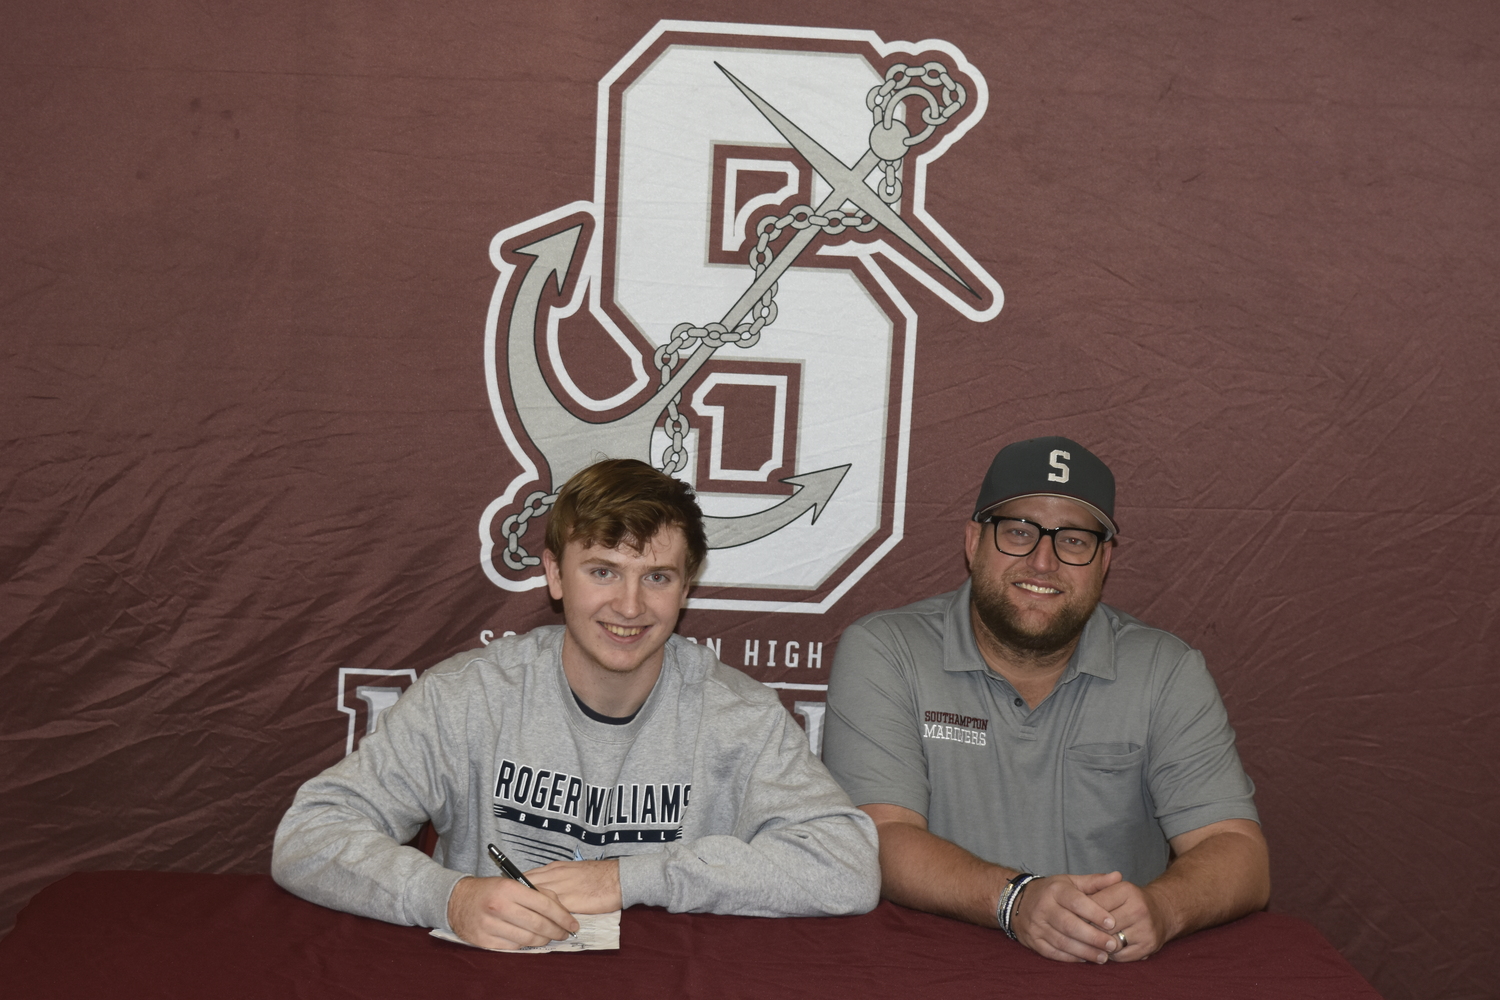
1108 760
1107 818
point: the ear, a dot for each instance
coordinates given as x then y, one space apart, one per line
553 570
972 532
1106 549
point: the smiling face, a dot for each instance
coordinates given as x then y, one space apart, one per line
620 606
1033 605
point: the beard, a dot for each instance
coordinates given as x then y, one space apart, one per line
1001 619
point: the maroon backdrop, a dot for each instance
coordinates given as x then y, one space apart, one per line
1249 255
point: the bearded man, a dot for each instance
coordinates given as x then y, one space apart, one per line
1035 760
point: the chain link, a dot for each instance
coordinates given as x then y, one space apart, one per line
515 555
932 75
901 82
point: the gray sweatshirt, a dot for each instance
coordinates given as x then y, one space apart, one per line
709 797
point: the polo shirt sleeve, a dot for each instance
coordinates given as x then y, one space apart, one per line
872 739
1194 775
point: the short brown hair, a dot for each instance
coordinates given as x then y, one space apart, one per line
625 501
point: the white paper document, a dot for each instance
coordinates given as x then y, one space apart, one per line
596 932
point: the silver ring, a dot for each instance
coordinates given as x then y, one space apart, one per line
1121 936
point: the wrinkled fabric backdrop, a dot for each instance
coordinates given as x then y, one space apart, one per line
1248 254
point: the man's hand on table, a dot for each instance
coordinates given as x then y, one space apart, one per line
582 886
1059 917
502 913
1079 918
1139 916
1218 872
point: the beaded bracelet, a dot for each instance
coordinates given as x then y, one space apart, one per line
1008 900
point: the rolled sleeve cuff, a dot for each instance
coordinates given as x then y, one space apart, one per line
429 895
643 879
1197 817
915 801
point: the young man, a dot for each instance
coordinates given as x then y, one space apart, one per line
1038 761
620 762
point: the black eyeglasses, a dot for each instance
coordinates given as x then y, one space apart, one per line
1015 536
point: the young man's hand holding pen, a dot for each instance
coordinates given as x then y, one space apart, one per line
518 910
499 912
511 914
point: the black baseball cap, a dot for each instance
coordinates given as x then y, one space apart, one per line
1049 467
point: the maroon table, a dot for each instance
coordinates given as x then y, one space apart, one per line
111 935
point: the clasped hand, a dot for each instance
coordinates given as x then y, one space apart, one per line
502 913
1078 918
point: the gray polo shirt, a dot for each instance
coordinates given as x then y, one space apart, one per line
1132 747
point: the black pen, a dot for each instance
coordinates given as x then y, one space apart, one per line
509 870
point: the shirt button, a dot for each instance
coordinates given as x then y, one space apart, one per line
1019 703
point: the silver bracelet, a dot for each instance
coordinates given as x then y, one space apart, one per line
1000 904
1008 900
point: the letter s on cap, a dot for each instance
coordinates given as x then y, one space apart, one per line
1052 460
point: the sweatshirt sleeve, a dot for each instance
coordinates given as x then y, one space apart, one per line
340 843
778 836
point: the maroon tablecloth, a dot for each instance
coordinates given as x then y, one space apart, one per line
112 935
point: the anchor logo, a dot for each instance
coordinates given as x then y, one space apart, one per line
634 256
